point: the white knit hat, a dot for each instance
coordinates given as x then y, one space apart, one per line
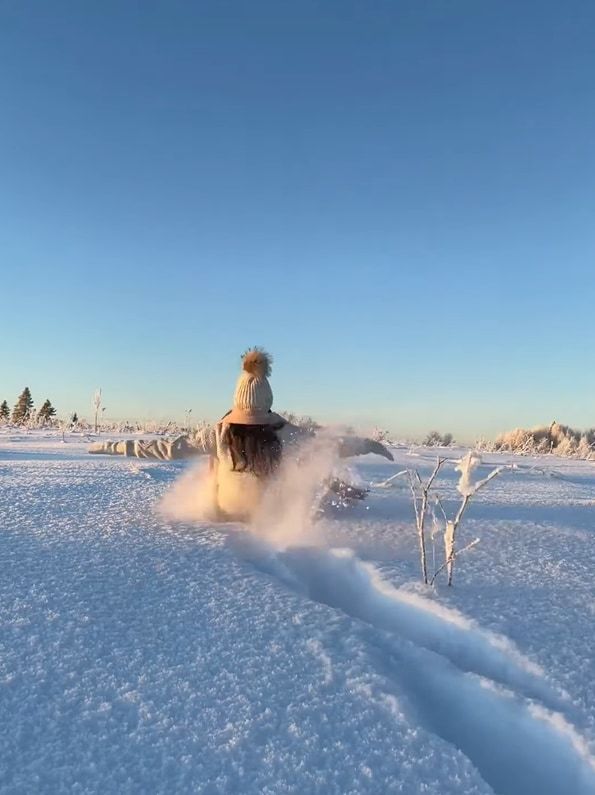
253 397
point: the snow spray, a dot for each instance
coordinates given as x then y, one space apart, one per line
292 499
190 499
290 502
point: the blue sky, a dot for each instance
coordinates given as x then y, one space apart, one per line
396 198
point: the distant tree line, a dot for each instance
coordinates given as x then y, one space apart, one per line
23 412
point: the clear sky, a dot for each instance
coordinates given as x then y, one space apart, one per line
397 198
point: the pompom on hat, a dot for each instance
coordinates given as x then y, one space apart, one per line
253 397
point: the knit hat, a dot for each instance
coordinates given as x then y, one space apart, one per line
253 397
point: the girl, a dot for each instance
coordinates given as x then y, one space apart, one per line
246 446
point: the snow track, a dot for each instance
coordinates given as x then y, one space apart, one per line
470 687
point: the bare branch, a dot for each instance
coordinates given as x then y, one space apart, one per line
441 506
462 509
420 505
414 497
450 542
452 557
439 463
494 473
386 482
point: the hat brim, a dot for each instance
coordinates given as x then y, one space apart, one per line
239 417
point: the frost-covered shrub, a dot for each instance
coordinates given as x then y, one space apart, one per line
424 502
435 439
380 435
566 446
555 438
483 445
515 441
585 449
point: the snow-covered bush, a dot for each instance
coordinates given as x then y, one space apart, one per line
380 435
555 438
585 448
424 500
435 439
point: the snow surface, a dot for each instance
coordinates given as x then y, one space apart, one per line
139 654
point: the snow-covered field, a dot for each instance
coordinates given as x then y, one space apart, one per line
142 655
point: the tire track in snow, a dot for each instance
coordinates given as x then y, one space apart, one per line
469 686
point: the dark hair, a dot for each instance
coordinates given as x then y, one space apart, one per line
254 448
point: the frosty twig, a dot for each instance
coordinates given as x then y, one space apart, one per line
420 505
420 492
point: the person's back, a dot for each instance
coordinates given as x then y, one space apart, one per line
249 448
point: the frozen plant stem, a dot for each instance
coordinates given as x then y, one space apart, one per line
420 511
450 532
455 554
97 405
449 539
385 483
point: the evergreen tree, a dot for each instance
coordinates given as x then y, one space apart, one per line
46 412
23 408
4 411
74 419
